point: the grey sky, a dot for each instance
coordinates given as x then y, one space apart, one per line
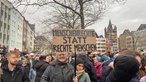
127 16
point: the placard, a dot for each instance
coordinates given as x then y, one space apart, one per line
73 40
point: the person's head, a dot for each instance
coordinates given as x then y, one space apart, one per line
49 58
25 60
91 55
143 62
31 55
42 58
13 57
125 67
79 64
133 53
95 60
61 56
37 58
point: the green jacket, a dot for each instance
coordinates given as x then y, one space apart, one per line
84 77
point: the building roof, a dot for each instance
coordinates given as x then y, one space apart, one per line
41 38
141 27
111 27
126 31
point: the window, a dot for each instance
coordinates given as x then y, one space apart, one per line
0 35
4 27
6 8
0 25
1 12
5 14
7 38
4 36
8 17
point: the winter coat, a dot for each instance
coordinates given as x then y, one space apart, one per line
58 72
98 68
18 75
106 70
84 77
125 69
40 67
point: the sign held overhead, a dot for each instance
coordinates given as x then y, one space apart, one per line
71 40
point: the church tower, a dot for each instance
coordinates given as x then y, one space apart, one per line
111 35
111 32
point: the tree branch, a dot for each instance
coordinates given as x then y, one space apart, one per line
67 7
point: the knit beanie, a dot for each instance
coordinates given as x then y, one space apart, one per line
79 61
125 67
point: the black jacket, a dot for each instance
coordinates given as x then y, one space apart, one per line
40 67
58 72
18 75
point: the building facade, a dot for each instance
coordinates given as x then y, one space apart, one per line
130 42
16 30
140 38
5 7
101 44
122 39
24 35
108 45
111 34
30 37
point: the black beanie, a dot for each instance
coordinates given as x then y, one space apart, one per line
79 61
126 63
125 67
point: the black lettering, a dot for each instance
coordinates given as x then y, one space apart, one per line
64 38
74 40
84 39
62 48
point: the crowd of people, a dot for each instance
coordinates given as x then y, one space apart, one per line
124 66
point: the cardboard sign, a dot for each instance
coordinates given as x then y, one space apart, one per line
73 40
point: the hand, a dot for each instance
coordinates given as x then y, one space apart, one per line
75 79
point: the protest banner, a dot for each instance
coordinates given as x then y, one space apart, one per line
70 40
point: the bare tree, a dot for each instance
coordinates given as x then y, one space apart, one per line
72 13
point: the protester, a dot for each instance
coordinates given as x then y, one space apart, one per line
49 58
59 70
125 69
142 71
32 73
80 72
89 67
98 68
12 72
40 67
26 64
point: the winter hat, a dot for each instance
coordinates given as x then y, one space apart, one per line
126 63
125 67
31 54
79 61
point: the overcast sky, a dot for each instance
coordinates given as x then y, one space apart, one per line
127 16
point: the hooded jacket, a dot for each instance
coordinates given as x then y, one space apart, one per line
40 67
58 72
125 68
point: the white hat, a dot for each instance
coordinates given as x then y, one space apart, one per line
31 54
